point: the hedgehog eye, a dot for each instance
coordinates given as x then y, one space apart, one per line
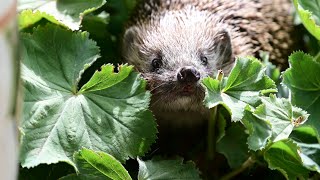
204 60
157 63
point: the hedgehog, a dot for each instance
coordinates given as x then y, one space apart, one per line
176 43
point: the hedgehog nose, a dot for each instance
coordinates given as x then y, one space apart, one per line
188 74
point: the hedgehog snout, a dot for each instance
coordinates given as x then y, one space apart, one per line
188 74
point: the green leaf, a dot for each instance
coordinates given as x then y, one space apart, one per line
167 169
305 10
283 156
97 165
223 115
68 12
246 82
233 145
313 6
259 131
305 134
83 177
97 25
271 70
306 138
282 116
58 120
27 18
310 155
100 165
106 78
58 60
274 73
303 79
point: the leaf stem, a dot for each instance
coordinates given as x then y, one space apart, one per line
317 57
211 133
248 163
212 125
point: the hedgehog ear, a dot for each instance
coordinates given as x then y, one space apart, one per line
131 36
223 47
130 40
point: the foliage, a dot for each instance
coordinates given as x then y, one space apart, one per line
97 165
304 82
268 121
157 168
246 81
67 12
309 14
94 117
59 119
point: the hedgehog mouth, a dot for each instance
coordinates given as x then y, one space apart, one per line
179 97
176 90
192 90
172 96
188 90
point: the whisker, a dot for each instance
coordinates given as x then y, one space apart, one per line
160 85
163 97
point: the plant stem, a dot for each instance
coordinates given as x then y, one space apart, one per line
212 125
248 163
211 133
317 57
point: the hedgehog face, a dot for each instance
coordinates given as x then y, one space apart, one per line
175 52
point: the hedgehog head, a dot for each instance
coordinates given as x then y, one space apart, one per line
174 50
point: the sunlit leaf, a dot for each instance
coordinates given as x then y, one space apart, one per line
303 80
109 114
246 82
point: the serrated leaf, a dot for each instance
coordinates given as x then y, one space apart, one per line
259 131
233 145
303 79
246 82
305 9
28 18
68 12
312 6
59 120
106 78
310 155
100 165
66 62
282 116
283 156
167 169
